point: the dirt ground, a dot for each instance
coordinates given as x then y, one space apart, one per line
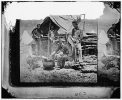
39 74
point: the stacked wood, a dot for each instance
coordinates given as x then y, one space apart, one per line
89 44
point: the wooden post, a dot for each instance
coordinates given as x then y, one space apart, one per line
97 29
84 33
84 23
49 42
48 46
97 38
48 54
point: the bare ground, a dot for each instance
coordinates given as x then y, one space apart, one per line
39 74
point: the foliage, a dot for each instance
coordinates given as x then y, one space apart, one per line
114 5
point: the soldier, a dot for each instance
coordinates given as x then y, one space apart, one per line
61 54
75 41
37 35
109 57
113 38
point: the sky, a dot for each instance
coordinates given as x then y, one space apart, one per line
109 15
39 10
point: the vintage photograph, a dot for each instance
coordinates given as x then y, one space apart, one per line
58 49
66 50
71 48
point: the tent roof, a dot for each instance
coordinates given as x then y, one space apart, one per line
64 21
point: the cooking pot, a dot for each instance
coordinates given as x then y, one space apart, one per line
48 64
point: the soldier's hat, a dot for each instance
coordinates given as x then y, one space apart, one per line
74 22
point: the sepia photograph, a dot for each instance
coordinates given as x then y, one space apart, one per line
62 47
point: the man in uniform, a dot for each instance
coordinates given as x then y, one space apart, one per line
37 35
53 33
61 54
75 41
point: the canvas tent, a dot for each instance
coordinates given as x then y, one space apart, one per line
64 22
102 38
26 38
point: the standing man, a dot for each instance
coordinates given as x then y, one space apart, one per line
75 41
37 35
52 37
113 38
53 33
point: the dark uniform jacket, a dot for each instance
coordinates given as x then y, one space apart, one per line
36 34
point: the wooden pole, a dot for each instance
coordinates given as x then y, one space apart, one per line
48 41
84 33
48 46
84 23
97 36
97 29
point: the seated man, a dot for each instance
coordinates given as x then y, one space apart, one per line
33 58
32 50
61 54
108 57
